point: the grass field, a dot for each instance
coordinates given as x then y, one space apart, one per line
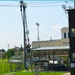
5 66
41 73
5 70
33 73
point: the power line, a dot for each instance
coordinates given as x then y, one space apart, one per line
29 5
8 6
38 3
35 4
54 25
46 6
57 35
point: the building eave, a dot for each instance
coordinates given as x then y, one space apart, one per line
52 48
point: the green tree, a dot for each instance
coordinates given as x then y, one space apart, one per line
12 52
3 50
4 55
21 49
8 54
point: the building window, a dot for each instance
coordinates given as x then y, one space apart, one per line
64 35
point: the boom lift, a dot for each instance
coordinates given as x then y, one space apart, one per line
27 45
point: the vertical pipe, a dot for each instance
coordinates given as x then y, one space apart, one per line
31 61
53 56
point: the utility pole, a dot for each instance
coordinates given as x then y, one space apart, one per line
71 18
38 31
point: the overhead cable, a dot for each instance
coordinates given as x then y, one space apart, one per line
8 5
54 25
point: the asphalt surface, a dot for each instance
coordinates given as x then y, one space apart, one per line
67 74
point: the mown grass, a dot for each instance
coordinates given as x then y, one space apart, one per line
33 73
5 66
5 69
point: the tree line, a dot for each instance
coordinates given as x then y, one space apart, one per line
11 52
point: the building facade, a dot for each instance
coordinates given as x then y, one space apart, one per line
59 47
64 41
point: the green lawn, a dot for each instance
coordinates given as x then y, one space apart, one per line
33 73
5 66
5 69
41 73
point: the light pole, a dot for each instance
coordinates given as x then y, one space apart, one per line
38 31
8 46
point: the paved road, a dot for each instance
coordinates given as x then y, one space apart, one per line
67 74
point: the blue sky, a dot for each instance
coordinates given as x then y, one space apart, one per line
49 15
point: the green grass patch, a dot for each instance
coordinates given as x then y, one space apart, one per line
0 58
5 69
40 73
5 66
